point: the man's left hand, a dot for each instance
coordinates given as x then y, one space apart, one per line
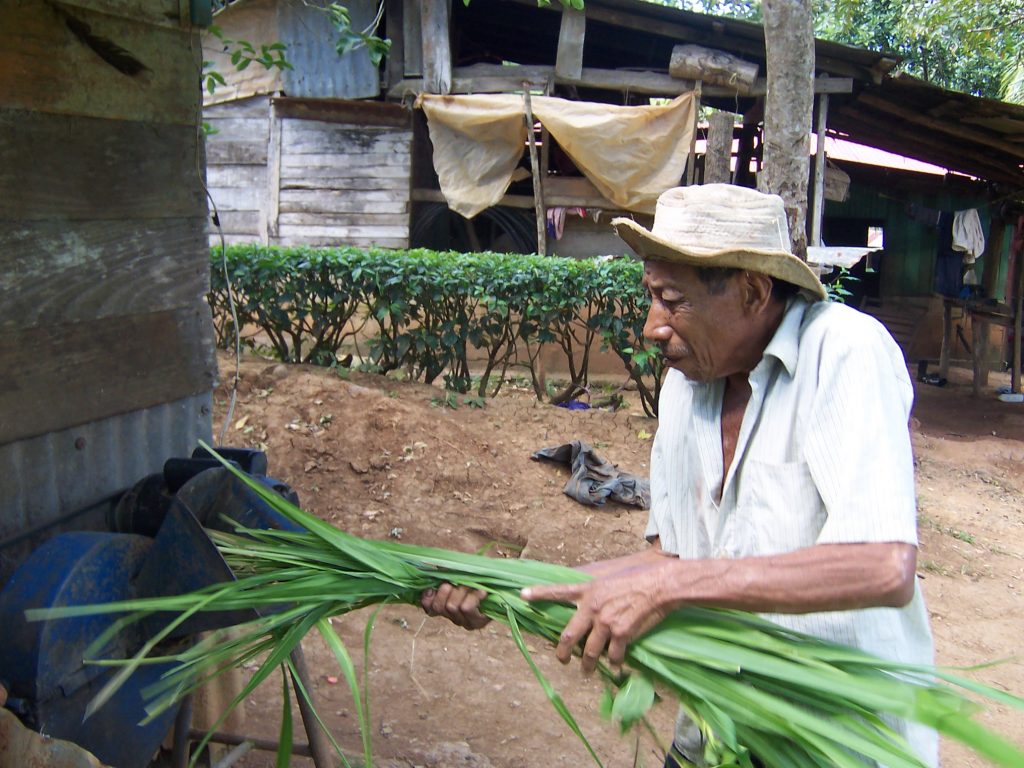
611 612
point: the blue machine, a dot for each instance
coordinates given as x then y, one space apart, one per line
158 548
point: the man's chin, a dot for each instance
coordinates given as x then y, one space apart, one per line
685 366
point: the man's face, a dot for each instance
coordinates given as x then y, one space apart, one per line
699 332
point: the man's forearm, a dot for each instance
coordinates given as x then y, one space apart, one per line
827 577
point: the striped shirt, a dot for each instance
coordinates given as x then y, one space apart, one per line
823 457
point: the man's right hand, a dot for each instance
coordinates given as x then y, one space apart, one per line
460 605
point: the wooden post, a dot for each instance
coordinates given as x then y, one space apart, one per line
412 39
437 53
691 161
947 338
272 211
979 342
1018 310
395 70
545 162
719 152
538 186
993 253
569 59
319 746
745 152
818 210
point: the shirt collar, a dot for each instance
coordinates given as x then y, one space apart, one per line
785 344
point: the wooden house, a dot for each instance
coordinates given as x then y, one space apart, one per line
106 356
318 156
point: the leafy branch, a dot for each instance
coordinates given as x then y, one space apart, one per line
242 53
350 39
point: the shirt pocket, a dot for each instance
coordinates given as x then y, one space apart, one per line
778 509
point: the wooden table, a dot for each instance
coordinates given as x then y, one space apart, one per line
982 314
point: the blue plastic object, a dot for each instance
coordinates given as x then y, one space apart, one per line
42 661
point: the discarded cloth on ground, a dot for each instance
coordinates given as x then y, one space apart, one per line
594 479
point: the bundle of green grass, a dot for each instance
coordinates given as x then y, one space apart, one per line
754 687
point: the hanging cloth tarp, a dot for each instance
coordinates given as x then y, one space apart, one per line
478 141
631 154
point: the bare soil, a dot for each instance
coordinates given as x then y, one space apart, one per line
380 457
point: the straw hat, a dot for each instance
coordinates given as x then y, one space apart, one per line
721 225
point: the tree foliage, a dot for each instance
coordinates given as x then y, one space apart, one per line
965 45
972 46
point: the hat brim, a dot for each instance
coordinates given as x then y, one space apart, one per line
778 264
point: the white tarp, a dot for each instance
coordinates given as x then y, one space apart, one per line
631 154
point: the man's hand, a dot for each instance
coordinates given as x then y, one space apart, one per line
611 612
460 605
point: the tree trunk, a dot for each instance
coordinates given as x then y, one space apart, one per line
789 50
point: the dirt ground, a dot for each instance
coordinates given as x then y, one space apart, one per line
381 457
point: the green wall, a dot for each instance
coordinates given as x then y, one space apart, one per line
909 258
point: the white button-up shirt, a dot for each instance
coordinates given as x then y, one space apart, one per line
823 457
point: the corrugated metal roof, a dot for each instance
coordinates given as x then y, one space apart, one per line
896 113
973 135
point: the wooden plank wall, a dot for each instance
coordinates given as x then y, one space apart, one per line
236 167
103 255
344 178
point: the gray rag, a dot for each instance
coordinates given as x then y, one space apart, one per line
594 479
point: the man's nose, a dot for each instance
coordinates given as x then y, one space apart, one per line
656 328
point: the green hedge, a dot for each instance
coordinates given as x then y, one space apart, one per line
428 312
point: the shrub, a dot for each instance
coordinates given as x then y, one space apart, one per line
428 312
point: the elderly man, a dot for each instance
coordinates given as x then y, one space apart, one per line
781 475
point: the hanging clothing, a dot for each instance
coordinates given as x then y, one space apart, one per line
948 262
968 236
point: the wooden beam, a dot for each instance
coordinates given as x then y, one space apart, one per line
947 338
752 45
818 203
568 193
979 343
412 35
59 272
718 156
1018 311
569 59
696 62
691 160
437 52
272 211
46 67
394 10
118 364
63 166
495 78
993 253
538 180
974 135
361 112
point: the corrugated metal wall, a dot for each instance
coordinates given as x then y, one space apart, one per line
46 477
317 69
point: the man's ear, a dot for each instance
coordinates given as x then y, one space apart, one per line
756 291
